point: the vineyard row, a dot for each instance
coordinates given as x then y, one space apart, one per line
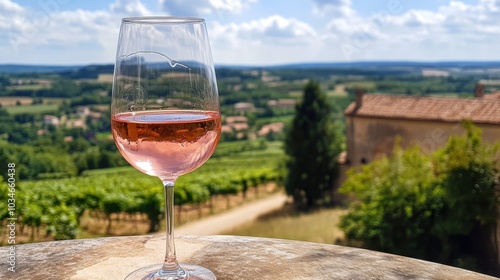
56 206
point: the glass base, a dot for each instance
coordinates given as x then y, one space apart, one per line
193 272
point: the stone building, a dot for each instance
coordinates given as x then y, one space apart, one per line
243 108
50 120
374 121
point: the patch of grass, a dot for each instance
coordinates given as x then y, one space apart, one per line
368 85
270 156
27 87
318 226
12 101
283 118
103 136
336 93
111 171
33 109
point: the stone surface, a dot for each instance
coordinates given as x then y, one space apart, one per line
229 257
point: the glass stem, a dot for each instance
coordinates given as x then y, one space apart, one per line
171 268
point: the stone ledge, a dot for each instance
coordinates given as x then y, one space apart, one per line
229 257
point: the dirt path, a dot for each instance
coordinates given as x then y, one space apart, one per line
222 222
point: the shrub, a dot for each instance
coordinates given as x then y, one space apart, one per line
440 207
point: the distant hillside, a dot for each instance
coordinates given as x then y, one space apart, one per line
88 72
18 68
437 64
91 71
374 64
479 69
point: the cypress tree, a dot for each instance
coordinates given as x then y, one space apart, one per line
311 149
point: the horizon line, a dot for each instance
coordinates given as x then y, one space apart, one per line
272 65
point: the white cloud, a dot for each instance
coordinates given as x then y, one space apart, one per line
454 31
129 7
232 6
203 7
446 33
334 8
270 40
52 35
9 16
9 6
273 29
55 35
47 32
80 26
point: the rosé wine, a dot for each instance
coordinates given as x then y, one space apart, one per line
166 144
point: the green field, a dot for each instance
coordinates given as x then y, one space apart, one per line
103 136
232 155
14 100
33 109
27 87
317 226
285 118
367 85
295 94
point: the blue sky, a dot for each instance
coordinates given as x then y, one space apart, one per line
261 32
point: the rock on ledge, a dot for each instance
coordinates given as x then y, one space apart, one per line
229 257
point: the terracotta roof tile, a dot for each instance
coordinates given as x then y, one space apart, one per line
478 110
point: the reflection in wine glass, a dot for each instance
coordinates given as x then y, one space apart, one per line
165 112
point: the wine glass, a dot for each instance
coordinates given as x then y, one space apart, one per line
165 114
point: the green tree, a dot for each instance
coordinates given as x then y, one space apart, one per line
312 149
469 173
396 204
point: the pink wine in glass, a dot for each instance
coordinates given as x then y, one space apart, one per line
166 144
